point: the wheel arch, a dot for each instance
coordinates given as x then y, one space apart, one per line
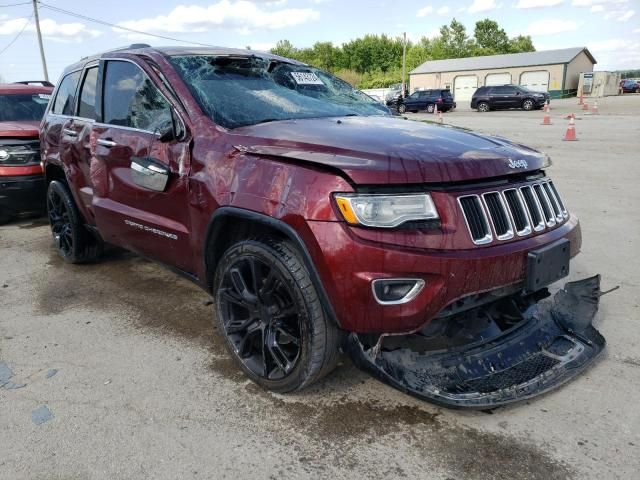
54 172
230 224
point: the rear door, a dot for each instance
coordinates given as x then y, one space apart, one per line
127 148
505 97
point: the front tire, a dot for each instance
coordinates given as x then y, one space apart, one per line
73 241
270 315
430 108
527 105
402 108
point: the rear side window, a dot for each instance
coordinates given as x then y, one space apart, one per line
66 96
132 100
87 107
503 90
445 93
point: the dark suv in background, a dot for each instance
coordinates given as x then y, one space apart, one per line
317 221
425 100
507 96
22 186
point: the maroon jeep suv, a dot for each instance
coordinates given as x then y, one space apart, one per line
321 224
22 185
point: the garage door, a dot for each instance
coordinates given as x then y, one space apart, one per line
464 86
537 81
497 79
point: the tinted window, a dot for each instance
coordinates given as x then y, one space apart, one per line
66 96
503 90
132 100
87 108
18 107
445 93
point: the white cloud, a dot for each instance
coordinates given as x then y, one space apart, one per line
537 3
588 3
482 6
51 29
611 45
443 10
620 15
424 11
242 16
550 27
262 47
597 8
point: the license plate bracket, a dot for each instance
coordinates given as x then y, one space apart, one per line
547 264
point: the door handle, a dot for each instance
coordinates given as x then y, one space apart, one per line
69 132
106 143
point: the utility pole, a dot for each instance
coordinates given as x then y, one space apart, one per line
404 62
44 62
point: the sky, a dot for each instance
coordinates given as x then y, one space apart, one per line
609 28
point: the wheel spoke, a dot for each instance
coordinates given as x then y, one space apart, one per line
240 285
231 296
248 341
277 354
237 326
285 337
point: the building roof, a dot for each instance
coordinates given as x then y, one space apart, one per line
527 59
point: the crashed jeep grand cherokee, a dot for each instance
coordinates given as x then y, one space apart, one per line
319 223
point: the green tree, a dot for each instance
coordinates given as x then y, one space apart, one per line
284 48
521 43
491 39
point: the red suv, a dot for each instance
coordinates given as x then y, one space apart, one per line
319 222
22 185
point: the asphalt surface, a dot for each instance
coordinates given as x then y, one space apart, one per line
114 370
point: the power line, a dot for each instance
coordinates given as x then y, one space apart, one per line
14 4
102 22
18 35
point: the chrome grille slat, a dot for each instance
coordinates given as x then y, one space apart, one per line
503 214
517 211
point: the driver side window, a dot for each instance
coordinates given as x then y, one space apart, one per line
132 100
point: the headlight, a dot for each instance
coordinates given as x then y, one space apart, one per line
18 154
385 211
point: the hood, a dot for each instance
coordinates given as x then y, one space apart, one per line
28 129
387 150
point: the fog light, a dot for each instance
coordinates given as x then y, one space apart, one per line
395 291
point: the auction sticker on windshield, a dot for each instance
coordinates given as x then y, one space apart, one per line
306 78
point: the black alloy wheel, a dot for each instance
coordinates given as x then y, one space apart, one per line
60 222
261 318
73 241
271 317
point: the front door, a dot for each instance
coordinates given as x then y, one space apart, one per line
148 219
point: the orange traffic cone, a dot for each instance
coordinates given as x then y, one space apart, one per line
547 107
547 118
594 110
585 106
570 136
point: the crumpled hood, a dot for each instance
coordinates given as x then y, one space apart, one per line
19 129
382 150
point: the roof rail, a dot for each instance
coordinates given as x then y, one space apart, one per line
44 83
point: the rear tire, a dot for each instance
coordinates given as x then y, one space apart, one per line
430 108
483 107
73 241
270 316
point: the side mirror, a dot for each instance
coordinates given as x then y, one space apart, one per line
149 173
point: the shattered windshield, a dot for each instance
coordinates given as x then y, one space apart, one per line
239 91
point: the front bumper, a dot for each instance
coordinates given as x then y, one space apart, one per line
21 194
551 343
348 264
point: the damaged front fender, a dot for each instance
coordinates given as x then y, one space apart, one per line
522 347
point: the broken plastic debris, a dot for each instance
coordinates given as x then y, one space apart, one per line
5 376
51 372
41 415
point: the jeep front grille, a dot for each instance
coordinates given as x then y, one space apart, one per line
512 211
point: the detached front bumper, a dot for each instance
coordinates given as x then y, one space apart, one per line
551 342
22 194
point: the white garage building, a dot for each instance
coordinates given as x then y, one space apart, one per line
553 71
